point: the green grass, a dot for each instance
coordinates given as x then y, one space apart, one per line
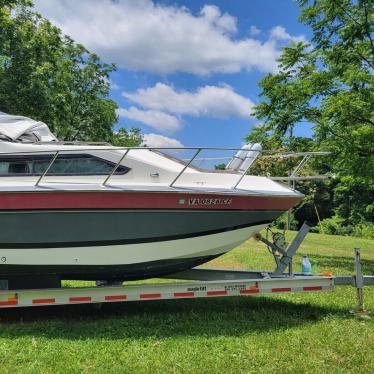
293 333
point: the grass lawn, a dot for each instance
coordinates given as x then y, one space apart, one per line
293 333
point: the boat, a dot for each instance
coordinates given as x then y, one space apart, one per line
93 211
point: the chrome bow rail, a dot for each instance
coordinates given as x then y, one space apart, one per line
187 162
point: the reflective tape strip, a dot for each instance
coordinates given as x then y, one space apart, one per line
79 299
115 297
184 294
312 288
9 302
44 301
217 293
249 291
281 289
150 295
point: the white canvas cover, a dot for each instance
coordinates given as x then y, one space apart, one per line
15 127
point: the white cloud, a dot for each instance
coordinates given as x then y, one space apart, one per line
254 31
153 118
212 101
145 36
225 22
280 33
155 140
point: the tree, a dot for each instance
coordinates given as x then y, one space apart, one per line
318 195
127 138
47 76
329 83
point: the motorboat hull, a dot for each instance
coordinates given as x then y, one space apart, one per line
85 235
123 262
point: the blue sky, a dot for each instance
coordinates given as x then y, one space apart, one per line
187 69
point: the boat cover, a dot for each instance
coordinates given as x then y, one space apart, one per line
18 128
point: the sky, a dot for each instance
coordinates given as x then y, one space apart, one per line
187 70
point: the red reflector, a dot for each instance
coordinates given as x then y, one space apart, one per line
44 301
150 295
249 291
281 289
115 297
9 302
79 299
312 288
216 293
184 294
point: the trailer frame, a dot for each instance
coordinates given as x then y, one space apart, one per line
201 283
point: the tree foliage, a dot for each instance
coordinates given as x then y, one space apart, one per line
127 138
318 195
328 82
47 76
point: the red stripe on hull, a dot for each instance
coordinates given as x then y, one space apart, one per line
140 200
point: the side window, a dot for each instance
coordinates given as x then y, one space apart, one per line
14 167
63 165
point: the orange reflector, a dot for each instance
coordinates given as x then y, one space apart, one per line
249 291
9 302
327 274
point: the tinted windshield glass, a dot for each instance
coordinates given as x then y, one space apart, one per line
63 165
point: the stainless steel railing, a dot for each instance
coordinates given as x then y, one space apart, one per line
264 154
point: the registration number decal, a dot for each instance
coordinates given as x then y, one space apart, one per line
209 201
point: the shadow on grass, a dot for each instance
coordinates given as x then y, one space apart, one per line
161 319
344 264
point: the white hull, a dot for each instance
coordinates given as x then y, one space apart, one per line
208 245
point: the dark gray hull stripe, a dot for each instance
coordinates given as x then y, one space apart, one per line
87 228
125 241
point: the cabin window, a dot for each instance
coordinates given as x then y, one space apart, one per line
63 165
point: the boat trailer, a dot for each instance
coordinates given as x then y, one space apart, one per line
202 283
